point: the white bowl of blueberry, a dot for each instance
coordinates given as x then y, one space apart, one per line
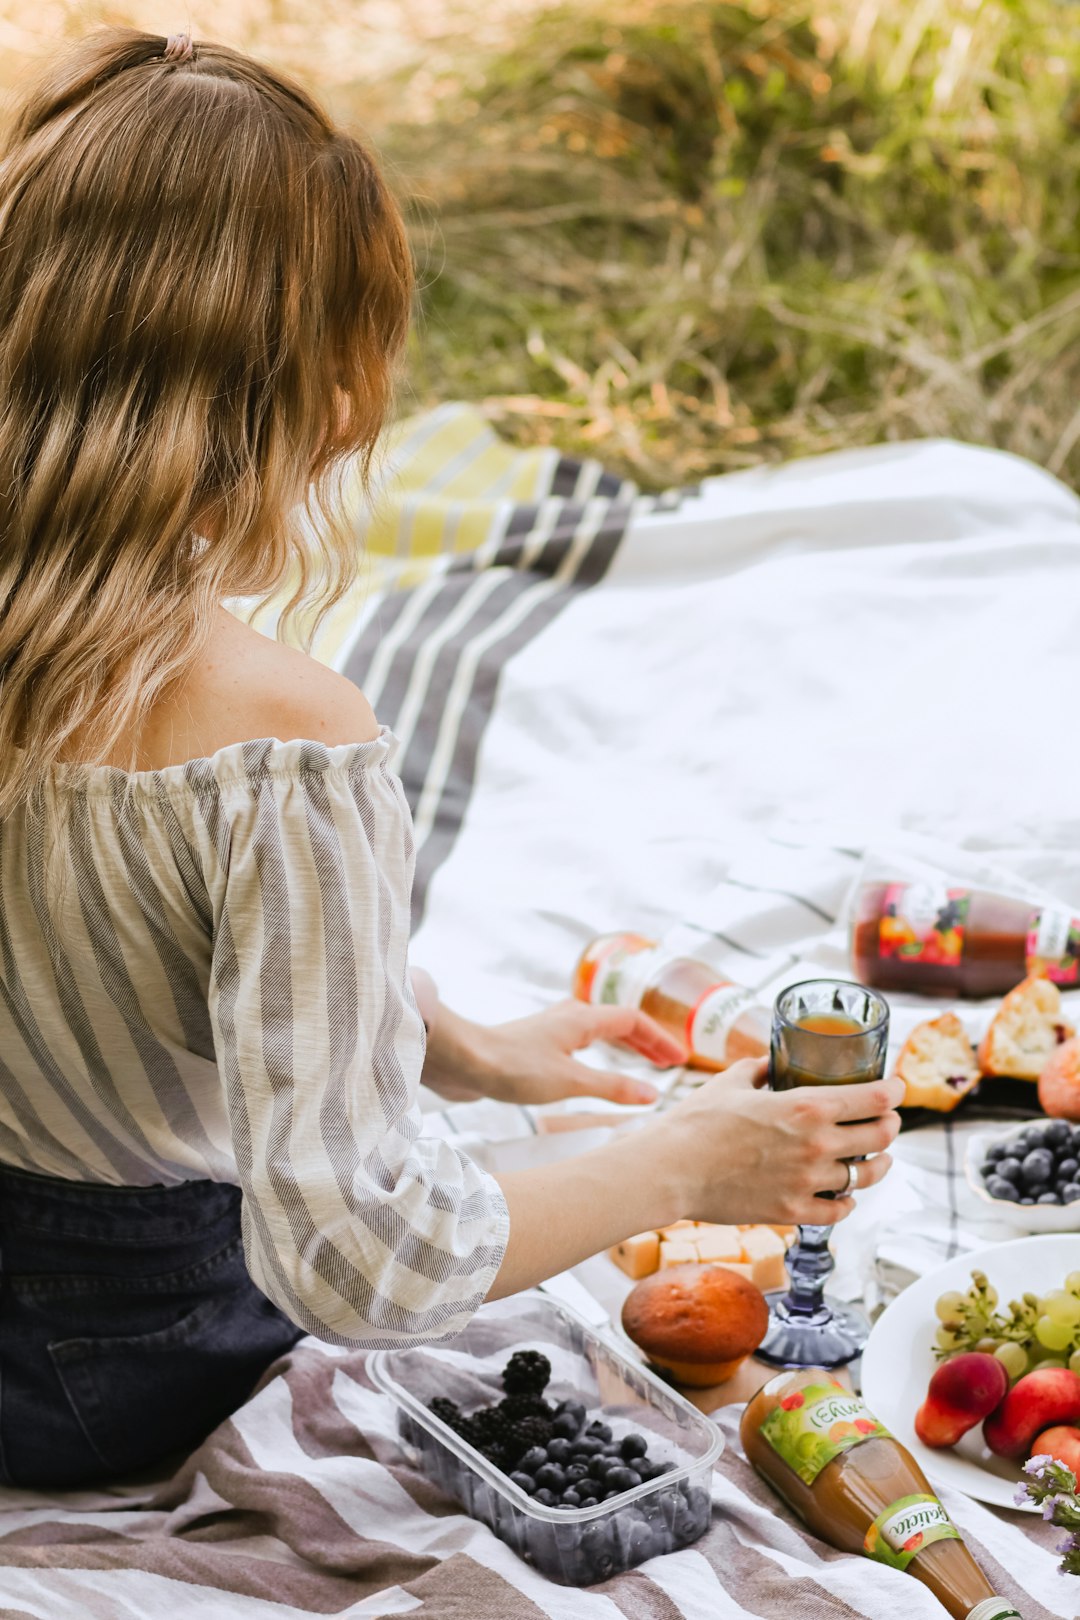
1030 1174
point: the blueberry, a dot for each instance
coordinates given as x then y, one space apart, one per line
551 1477
1067 1168
545 1496
998 1151
997 1187
612 1449
602 1431
587 1446
1030 1138
634 1445
1011 1169
565 1426
1071 1193
589 1500
598 1467
533 1459
524 1482
637 1540
578 1469
1057 1133
571 1498
572 1409
1038 1167
558 1450
597 1550
1048 1198
1026 1200
623 1479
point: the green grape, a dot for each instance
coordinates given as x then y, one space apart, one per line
1074 1362
988 1347
1062 1307
990 1297
1013 1358
950 1307
1072 1282
1051 1361
1054 1335
946 1339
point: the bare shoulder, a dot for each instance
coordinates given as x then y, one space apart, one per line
248 685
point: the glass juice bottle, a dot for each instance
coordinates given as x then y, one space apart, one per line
944 939
860 1490
717 1021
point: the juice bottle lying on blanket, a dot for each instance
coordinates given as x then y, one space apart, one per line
859 1489
944 939
717 1021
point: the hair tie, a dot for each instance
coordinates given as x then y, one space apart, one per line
178 48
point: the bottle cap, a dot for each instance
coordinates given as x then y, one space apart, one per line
995 1608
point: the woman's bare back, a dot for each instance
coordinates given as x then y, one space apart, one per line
250 686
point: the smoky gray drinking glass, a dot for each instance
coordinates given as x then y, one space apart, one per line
825 1032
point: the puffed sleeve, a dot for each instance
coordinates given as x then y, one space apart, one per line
361 1229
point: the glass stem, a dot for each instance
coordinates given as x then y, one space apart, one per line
809 1265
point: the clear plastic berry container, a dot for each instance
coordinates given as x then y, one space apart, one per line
576 1546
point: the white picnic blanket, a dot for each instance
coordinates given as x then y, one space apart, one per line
693 717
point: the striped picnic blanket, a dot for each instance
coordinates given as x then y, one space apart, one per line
698 715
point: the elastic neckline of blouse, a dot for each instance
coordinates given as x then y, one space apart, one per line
294 756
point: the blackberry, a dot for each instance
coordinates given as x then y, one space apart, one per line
526 1433
449 1412
526 1373
526 1405
491 1432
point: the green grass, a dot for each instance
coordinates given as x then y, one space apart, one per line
687 237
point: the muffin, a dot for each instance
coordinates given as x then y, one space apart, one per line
697 1322
937 1064
1026 1029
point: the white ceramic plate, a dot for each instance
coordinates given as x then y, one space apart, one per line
1025 1217
898 1360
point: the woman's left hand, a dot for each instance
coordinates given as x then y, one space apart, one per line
529 1060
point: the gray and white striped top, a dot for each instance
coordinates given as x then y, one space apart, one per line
232 1002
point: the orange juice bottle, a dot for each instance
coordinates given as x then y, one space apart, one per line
717 1021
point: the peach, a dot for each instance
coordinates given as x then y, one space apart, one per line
1040 1399
1062 1443
1059 1082
961 1392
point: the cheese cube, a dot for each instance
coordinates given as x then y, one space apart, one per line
719 1243
676 1253
765 1251
744 1268
677 1226
637 1256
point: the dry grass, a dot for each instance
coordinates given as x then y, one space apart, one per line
689 236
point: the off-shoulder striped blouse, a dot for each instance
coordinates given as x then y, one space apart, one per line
232 1002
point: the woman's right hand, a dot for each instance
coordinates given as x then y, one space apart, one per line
746 1154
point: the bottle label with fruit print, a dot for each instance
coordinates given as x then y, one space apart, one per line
904 1529
812 1425
1053 946
710 1021
924 922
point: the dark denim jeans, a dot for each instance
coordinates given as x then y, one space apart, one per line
129 1327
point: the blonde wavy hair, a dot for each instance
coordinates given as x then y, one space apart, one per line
204 287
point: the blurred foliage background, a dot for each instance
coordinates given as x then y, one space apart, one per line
687 236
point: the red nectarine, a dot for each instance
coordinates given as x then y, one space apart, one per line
1059 1083
1062 1443
1036 1402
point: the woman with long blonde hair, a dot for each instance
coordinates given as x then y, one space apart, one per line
210 1044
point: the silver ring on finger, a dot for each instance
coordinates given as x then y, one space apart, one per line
852 1179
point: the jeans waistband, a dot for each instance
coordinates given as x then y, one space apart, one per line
143 1217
